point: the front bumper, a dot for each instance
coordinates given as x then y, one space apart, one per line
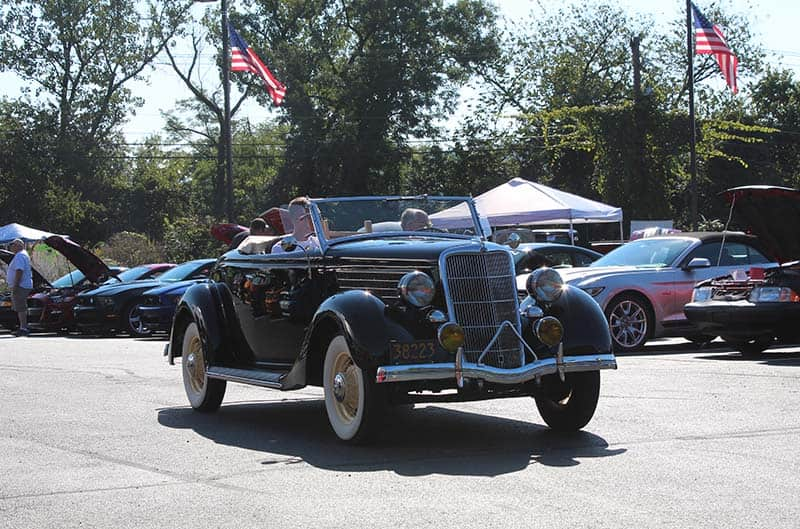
460 369
743 318
157 318
94 318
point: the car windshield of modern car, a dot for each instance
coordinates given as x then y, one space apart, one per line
180 273
132 274
69 280
652 253
387 216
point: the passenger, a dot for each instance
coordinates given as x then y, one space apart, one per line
258 226
303 228
414 219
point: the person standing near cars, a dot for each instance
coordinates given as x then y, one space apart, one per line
20 279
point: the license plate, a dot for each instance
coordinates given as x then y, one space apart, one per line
412 352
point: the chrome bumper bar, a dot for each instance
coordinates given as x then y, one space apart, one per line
460 369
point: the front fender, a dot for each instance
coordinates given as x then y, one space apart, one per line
585 326
208 305
362 318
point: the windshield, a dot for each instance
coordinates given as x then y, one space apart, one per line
655 252
348 217
180 272
69 280
131 274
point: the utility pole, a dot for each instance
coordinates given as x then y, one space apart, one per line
226 90
693 135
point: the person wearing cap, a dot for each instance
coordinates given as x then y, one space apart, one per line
20 279
258 226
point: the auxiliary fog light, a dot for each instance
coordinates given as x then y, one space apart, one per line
451 336
549 331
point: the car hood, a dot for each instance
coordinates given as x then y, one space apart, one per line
172 288
591 275
114 290
39 281
772 214
84 260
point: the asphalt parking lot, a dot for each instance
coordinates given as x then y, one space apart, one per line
95 432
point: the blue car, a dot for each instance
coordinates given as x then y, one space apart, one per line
158 305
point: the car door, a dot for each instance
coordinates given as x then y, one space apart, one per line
734 256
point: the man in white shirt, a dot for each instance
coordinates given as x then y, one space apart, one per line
302 227
20 279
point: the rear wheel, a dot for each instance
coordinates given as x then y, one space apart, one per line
750 347
205 394
568 406
352 400
629 321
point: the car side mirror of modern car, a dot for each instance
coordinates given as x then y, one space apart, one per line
289 243
698 262
513 241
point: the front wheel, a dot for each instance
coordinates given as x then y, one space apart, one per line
629 321
205 394
352 400
133 321
568 406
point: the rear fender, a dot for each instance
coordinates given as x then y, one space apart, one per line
209 305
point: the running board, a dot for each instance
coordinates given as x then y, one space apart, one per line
267 379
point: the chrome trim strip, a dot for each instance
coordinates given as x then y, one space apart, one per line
519 375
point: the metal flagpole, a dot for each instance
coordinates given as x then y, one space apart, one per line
693 135
226 90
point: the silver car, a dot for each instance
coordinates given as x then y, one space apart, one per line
643 285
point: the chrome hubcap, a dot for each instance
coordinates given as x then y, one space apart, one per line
195 365
628 322
339 386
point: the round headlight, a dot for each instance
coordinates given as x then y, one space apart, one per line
545 285
417 289
548 330
451 336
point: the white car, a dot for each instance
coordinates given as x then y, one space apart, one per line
643 285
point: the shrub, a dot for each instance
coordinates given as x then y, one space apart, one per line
129 249
188 238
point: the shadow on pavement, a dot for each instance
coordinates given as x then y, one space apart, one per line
423 441
768 357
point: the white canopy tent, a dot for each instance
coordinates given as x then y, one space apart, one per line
521 202
12 231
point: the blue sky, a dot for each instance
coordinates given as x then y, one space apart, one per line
773 21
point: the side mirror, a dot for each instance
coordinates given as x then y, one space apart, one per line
289 244
513 241
698 262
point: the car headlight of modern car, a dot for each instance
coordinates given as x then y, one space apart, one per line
700 294
593 291
545 285
417 289
773 294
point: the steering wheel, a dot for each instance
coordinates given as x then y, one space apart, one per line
433 229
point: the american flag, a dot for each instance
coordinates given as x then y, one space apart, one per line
244 59
710 40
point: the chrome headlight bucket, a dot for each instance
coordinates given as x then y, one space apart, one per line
545 285
417 289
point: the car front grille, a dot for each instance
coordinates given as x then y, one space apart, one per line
482 294
380 280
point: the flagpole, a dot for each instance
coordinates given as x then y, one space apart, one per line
693 135
226 129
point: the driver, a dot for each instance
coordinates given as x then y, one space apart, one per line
303 229
413 219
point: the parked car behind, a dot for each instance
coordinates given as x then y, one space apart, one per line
749 311
158 305
115 307
643 285
528 257
388 317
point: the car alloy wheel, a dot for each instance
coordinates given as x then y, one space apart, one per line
629 323
136 326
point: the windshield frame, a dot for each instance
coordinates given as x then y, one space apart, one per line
316 218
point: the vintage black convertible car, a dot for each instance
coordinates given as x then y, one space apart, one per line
376 317
752 310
